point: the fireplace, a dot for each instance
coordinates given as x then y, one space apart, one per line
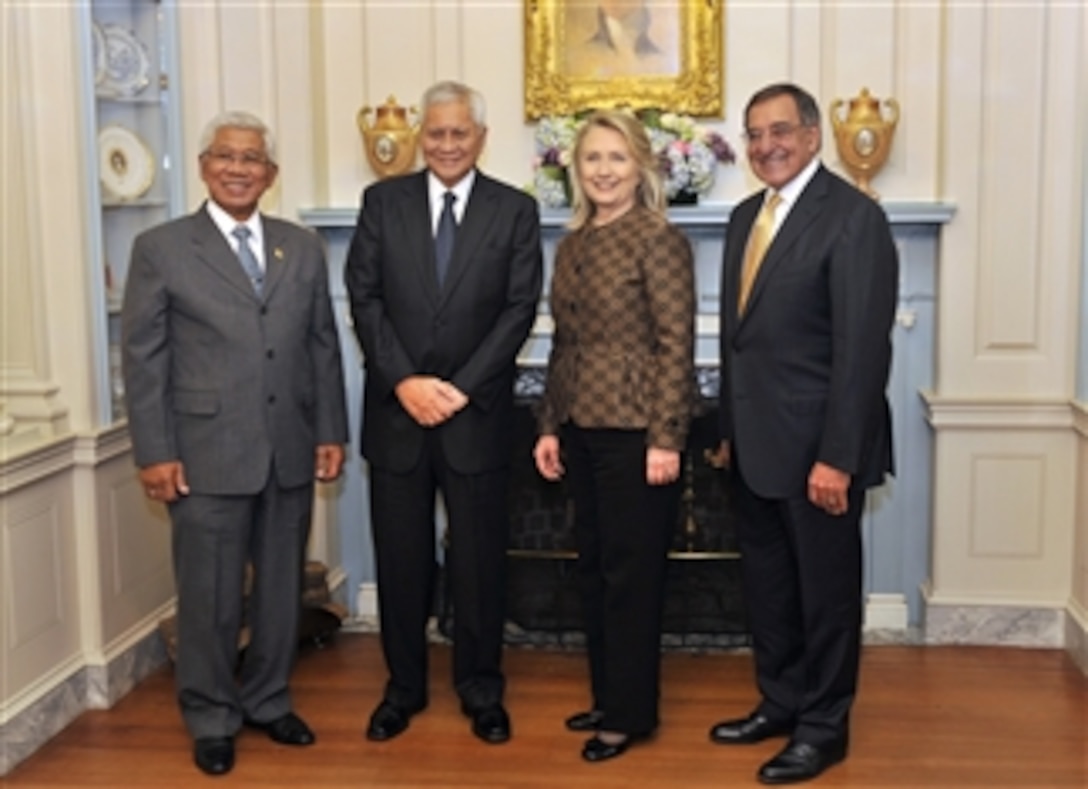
703 606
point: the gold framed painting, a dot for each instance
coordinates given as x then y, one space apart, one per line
635 53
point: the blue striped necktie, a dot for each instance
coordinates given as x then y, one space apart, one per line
248 259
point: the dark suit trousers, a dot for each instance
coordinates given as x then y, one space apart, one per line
622 528
802 571
213 539
402 510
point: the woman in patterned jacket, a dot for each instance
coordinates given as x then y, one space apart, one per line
615 414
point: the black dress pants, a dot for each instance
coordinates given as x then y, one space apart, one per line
402 516
622 528
802 573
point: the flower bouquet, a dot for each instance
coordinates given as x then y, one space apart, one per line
688 155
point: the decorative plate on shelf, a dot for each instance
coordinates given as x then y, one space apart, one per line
126 167
98 52
128 67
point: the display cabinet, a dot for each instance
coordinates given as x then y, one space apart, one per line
130 81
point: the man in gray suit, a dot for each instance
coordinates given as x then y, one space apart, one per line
235 399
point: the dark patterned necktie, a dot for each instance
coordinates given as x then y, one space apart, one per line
444 237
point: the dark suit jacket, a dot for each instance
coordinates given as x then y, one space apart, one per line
219 378
623 300
467 332
804 370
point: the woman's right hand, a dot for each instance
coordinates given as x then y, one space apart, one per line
546 455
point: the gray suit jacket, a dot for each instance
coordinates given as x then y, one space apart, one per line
225 381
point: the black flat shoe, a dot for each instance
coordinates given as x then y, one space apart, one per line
590 720
288 729
597 750
214 755
746 731
800 761
387 721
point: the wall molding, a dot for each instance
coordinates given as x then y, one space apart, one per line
36 464
1080 417
997 413
96 447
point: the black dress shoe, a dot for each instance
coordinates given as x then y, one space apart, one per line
745 731
800 761
387 721
214 755
597 750
590 720
288 729
491 723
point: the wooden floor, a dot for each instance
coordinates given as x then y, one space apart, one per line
956 717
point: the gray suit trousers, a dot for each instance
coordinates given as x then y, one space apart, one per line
213 539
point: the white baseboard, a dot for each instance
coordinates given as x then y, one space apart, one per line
886 612
366 600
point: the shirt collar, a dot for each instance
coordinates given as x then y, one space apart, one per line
436 189
226 224
791 191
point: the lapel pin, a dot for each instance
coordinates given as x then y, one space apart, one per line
277 253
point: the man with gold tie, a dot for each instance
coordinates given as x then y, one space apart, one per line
809 291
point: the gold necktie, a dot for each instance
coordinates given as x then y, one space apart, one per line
758 240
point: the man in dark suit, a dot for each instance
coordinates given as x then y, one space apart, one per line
235 401
809 290
444 274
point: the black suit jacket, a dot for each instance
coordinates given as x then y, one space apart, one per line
468 331
804 370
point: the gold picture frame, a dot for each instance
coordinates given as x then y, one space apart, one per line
582 54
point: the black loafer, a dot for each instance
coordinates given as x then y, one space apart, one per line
214 755
800 761
746 731
288 729
590 720
491 723
387 721
597 750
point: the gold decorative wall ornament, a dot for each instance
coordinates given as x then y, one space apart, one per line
390 142
864 137
582 54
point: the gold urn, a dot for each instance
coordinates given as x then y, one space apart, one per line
390 142
864 136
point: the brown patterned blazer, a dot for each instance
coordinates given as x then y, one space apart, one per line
623 301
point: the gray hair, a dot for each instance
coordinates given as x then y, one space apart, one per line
238 119
447 91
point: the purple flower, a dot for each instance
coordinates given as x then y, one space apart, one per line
723 152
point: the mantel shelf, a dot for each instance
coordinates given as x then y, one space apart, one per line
900 212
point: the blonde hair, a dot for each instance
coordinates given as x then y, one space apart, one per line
650 193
